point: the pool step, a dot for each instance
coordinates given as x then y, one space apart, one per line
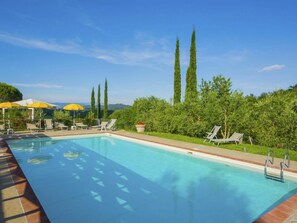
275 177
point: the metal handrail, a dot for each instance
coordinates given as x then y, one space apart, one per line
287 158
285 163
268 160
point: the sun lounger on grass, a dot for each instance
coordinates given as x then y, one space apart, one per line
2 127
98 124
48 123
61 126
32 127
103 126
111 124
80 125
236 137
213 133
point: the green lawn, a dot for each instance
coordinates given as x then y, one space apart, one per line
256 149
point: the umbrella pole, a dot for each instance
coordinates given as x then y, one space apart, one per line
3 114
33 114
40 118
8 119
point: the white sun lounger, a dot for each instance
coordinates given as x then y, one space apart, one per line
61 126
81 125
213 133
98 124
111 124
2 127
236 137
103 126
48 124
32 127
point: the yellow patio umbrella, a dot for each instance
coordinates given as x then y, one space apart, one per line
40 105
8 105
74 107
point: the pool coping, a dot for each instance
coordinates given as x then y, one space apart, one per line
32 209
35 213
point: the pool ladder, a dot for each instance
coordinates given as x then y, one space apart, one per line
284 164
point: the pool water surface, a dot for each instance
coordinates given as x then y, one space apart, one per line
107 179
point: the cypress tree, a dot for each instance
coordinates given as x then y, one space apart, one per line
105 111
93 101
98 102
177 75
191 77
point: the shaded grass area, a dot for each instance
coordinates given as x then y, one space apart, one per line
255 149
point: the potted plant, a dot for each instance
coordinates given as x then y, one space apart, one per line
140 126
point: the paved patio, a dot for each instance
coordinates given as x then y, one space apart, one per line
19 204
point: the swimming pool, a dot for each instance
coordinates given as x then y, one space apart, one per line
107 179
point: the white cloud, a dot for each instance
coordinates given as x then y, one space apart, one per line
126 56
91 25
134 57
233 56
272 68
39 85
69 47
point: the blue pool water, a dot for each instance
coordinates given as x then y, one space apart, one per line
106 179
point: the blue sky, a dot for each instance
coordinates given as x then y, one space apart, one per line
57 50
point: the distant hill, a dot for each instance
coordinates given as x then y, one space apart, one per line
111 107
114 107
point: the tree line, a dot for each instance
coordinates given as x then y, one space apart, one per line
96 113
270 119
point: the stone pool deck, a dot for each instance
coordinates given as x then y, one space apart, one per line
19 203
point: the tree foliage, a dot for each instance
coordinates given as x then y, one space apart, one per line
276 119
224 105
93 101
62 116
98 102
9 93
191 76
177 75
270 120
105 111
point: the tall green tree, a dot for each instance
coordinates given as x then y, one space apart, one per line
275 119
105 111
93 101
98 102
222 106
191 77
177 75
9 93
